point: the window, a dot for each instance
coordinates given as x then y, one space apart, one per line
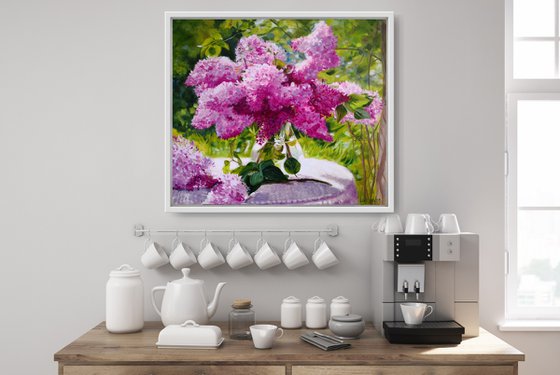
533 159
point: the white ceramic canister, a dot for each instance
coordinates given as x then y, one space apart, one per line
316 313
124 307
290 313
340 306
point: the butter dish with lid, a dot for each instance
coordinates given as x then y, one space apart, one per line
190 335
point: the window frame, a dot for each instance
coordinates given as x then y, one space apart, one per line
517 89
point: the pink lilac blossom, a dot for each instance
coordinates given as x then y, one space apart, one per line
229 190
311 123
254 50
374 109
263 88
319 48
253 90
191 170
216 106
210 72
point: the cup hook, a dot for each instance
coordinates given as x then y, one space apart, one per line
317 241
175 240
148 239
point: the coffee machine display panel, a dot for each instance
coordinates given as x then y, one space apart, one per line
412 248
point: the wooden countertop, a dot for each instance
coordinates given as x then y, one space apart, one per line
101 347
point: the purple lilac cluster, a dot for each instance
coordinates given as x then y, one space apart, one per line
374 109
257 89
193 171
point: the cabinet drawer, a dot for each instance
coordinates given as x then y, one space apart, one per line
174 370
403 370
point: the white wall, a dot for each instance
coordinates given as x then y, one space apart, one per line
81 155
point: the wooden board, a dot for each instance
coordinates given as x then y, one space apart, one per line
403 370
98 347
174 370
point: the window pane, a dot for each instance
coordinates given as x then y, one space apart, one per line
533 18
538 153
533 60
538 258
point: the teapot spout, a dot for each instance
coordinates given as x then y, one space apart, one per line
213 306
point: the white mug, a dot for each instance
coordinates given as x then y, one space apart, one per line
265 257
209 256
182 255
154 256
419 224
264 335
389 224
448 223
293 257
237 257
415 313
323 257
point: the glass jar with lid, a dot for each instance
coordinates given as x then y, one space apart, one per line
241 317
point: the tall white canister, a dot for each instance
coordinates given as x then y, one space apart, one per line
290 313
316 313
340 306
124 307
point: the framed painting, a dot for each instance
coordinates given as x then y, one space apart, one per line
279 112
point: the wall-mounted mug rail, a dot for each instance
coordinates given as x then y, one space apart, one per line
140 230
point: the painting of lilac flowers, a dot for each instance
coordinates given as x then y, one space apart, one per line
280 112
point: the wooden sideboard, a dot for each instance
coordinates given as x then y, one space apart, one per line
101 353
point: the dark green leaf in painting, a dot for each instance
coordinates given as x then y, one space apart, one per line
292 166
273 174
361 114
356 101
265 164
341 111
250 167
256 179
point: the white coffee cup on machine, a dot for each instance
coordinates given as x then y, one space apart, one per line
389 224
448 223
419 224
414 313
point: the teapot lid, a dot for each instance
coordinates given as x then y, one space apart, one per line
186 280
125 271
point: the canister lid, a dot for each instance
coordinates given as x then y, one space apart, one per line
291 299
125 271
241 303
340 299
315 299
347 318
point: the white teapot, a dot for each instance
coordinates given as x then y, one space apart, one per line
184 299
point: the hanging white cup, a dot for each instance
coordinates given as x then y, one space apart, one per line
209 256
266 257
182 255
293 257
154 255
323 257
237 257
448 223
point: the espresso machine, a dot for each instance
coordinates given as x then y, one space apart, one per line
439 269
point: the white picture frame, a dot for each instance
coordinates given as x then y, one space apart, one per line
246 208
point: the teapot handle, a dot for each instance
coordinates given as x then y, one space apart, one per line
156 289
